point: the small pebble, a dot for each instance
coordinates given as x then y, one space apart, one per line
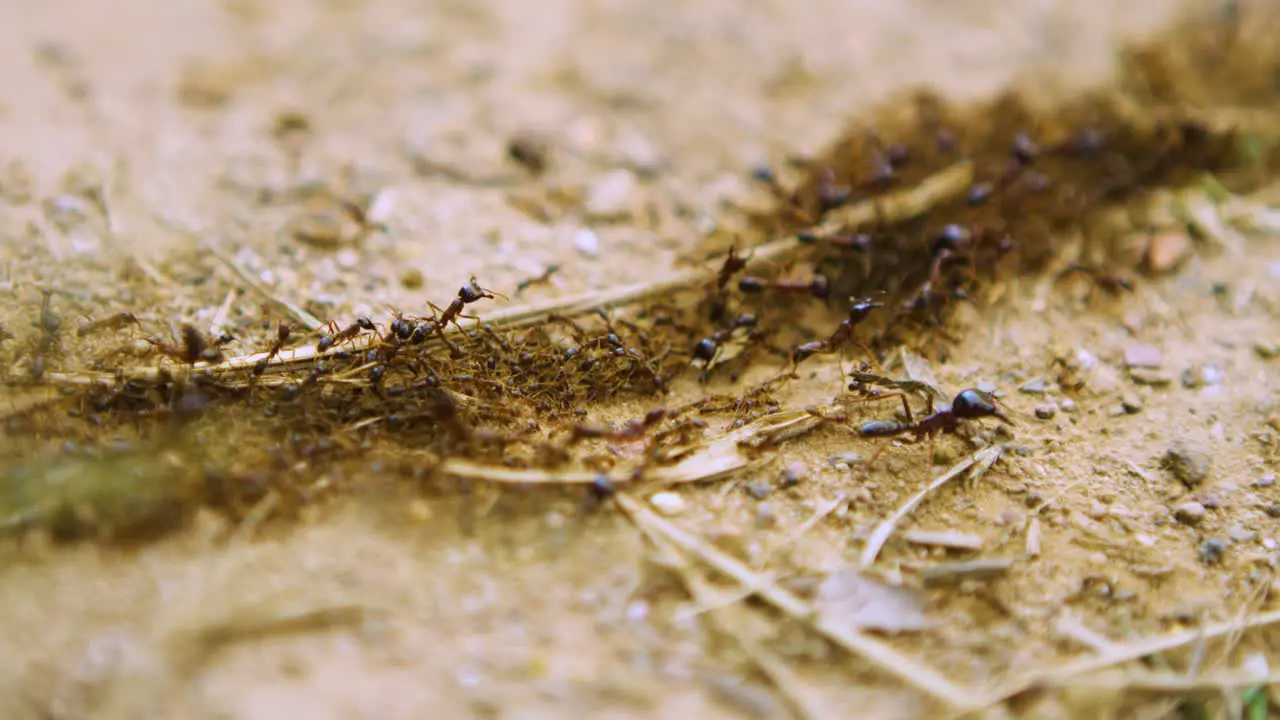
793 474
1189 513
587 242
1067 405
1213 550
1192 378
758 489
1187 461
530 150
1154 378
1266 480
1046 411
667 503
1166 251
847 459
1143 356
348 258
639 152
412 279
1034 387
1212 375
1241 534
765 516
610 197
1131 403
1267 349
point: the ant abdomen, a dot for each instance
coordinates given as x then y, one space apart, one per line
881 428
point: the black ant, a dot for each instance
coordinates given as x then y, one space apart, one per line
857 242
970 404
831 195
858 312
886 161
467 294
818 286
338 336
710 350
283 330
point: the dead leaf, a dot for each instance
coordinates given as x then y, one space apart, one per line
849 599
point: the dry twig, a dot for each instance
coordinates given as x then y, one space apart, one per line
879 654
981 461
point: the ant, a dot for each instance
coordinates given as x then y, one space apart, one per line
885 161
49 325
733 264
712 350
831 195
969 404
467 294
857 242
338 336
818 286
1111 283
111 322
283 330
194 348
631 430
858 312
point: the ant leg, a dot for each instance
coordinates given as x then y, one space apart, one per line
866 467
906 407
928 461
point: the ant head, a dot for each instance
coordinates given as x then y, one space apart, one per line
972 404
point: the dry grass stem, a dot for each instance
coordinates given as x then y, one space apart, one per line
877 653
710 599
1140 681
304 318
981 461
1069 673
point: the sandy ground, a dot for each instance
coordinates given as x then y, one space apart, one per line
542 613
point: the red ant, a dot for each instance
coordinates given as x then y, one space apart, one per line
338 336
283 330
858 312
111 322
631 430
733 264
194 348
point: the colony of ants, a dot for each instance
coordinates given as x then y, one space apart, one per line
484 391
